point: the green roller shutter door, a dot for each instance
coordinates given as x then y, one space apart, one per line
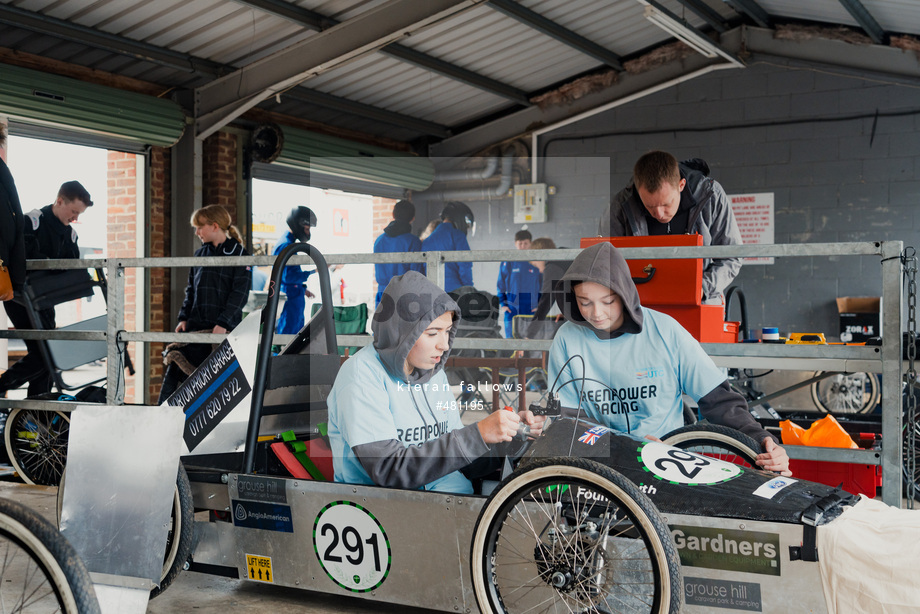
37 97
329 155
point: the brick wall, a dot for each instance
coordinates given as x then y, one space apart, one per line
158 246
219 172
121 191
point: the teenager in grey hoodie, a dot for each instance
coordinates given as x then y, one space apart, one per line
393 420
636 362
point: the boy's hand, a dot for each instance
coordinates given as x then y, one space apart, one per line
535 423
774 458
499 426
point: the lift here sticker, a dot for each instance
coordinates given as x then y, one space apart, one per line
682 467
352 547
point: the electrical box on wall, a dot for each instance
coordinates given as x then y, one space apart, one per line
530 203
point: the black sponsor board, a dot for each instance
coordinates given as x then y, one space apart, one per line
265 516
210 393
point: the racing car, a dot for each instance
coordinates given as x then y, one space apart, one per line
586 520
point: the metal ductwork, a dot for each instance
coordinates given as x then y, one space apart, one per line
489 190
470 174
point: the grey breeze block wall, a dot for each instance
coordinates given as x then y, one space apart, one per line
765 128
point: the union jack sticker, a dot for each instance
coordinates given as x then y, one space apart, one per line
591 437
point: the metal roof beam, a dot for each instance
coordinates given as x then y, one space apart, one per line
752 10
554 30
456 73
43 24
182 61
312 19
519 122
866 21
292 12
222 100
705 13
320 99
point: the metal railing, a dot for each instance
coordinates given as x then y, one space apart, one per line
884 359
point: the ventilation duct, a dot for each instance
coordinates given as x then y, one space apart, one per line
489 190
52 100
329 155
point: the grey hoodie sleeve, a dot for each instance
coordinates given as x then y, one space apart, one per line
726 407
390 463
723 230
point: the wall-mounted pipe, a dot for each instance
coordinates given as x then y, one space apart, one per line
488 191
467 174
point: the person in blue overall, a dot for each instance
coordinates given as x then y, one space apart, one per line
450 235
294 278
518 284
393 420
635 363
397 237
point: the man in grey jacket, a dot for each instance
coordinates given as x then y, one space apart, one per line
667 197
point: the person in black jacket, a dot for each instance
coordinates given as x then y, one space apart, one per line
47 235
12 243
214 296
552 271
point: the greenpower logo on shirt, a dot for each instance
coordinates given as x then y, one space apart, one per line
731 550
606 401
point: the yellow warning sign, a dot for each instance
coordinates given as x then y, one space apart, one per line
259 568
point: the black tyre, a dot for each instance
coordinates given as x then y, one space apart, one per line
179 538
720 442
36 442
39 570
846 393
4 457
571 535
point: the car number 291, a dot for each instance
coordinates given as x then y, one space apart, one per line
682 467
351 546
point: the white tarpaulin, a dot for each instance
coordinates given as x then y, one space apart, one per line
870 559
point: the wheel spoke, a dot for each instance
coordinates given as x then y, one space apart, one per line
587 556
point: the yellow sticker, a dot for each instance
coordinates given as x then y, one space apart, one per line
259 568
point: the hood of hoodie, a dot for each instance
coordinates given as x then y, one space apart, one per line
602 264
408 306
397 227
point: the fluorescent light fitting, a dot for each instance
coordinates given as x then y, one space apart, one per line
683 33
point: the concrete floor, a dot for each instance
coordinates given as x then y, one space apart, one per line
205 594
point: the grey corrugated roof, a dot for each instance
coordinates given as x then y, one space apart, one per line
207 38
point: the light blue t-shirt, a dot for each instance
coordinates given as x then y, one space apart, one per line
367 405
633 382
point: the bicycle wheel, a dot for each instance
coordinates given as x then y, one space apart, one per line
36 442
39 570
572 535
179 536
846 393
717 441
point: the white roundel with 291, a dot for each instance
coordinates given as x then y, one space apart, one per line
682 467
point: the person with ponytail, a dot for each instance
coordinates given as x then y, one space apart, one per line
214 296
